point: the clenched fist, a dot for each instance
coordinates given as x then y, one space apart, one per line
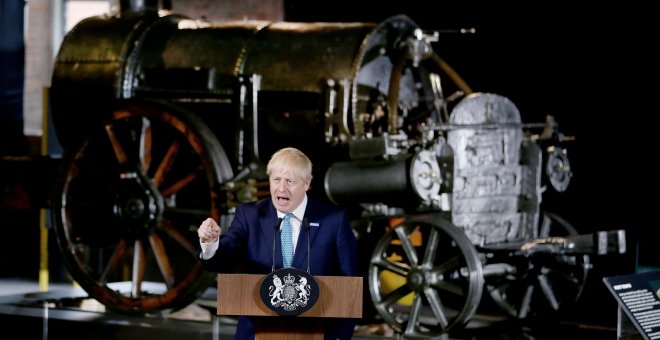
208 231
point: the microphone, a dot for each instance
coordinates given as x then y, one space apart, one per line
305 223
277 226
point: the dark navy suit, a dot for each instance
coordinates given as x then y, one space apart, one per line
253 232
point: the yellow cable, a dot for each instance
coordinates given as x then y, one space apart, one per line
43 230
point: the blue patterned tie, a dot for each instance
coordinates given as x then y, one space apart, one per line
286 238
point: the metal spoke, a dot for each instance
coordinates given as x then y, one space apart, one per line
525 304
166 163
431 248
139 263
181 183
407 246
115 260
385 264
414 317
120 154
396 295
145 144
176 235
162 259
436 306
448 265
549 294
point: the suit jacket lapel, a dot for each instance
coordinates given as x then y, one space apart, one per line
300 256
309 229
269 223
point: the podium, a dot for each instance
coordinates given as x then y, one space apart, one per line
339 297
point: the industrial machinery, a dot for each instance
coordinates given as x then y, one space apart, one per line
165 120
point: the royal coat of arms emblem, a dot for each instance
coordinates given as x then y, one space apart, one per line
289 291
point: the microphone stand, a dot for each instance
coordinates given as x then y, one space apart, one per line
309 249
275 237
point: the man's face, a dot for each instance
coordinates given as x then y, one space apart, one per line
287 189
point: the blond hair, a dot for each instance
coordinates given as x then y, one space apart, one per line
293 160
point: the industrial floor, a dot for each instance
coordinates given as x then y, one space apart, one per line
66 311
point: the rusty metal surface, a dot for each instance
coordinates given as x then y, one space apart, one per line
489 178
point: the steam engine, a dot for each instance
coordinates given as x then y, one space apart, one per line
166 120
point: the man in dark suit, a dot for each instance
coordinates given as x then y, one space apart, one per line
250 240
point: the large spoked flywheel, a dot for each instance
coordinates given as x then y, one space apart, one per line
425 277
538 282
128 204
